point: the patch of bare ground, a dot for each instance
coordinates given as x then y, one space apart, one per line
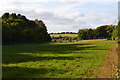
109 68
119 60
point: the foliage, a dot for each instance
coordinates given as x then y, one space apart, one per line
85 34
118 29
104 31
17 28
115 33
98 33
64 33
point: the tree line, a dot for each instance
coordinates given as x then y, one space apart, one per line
16 28
64 33
101 32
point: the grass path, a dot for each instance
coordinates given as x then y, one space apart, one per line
109 69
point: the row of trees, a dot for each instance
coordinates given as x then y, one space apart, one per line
17 28
65 38
101 32
64 33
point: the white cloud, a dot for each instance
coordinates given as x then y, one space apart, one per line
70 0
88 0
58 18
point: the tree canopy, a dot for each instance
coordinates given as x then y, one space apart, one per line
101 32
17 28
118 29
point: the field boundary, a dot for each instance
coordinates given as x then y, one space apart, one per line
109 68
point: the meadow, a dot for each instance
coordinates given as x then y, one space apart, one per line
63 35
55 60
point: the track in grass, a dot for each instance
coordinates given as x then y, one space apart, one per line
66 60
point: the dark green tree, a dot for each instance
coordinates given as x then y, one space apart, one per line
5 16
17 28
98 33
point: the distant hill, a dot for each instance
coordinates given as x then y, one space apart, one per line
17 29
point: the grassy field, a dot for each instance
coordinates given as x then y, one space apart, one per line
65 60
63 35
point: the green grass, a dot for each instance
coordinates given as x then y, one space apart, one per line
65 60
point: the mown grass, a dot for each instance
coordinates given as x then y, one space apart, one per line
65 60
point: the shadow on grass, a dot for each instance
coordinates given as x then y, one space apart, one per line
25 72
11 54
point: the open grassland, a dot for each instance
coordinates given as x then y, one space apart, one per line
63 35
65 60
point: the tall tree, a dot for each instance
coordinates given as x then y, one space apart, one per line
98 33
5 16
17 28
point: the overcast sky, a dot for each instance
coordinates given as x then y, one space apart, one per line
65 15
